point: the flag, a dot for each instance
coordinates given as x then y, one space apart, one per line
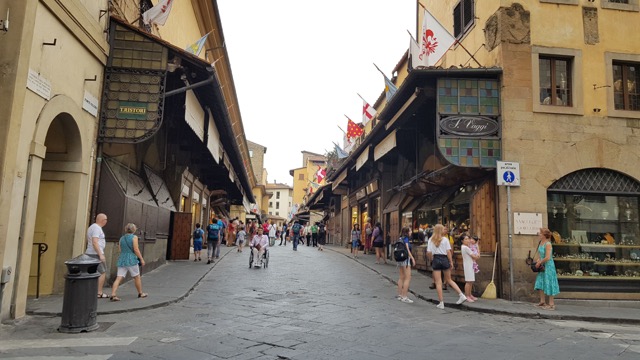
321 174
197 46
389 88
353 130
435 40
158 14
368 112
414 52
341 153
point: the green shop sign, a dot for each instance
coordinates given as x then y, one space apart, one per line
132 110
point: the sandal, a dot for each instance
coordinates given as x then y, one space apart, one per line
114 298
549 307
103 296
142 295
539 305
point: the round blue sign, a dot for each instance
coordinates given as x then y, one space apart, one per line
508 177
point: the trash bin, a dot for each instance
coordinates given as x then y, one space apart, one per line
80 303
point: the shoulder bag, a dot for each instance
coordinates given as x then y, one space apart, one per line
532 263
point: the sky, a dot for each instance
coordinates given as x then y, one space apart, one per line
298 67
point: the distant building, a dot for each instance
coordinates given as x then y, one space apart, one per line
281 201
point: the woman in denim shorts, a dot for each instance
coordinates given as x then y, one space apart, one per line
440 254
405 269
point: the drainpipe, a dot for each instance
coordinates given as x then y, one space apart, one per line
96 183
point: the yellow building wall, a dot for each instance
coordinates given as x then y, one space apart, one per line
299 185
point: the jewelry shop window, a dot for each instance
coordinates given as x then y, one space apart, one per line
594 217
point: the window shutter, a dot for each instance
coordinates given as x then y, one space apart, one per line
457 20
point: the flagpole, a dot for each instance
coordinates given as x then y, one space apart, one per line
374 64
344 132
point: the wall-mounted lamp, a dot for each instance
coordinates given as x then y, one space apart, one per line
4 24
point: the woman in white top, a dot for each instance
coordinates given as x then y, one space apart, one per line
440 254
468 257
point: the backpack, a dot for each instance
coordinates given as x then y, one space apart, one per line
296 229
196 234
213 230
400 251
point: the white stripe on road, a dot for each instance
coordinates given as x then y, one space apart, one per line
63 343
83 357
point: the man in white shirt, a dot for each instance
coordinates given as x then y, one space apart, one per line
95 248
259 244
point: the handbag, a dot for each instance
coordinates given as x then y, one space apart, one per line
532 264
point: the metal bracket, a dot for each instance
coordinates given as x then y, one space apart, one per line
95 78
51 43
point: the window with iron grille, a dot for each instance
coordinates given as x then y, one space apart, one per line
555 80
626 77
463 16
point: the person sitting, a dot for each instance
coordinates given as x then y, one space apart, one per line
259 245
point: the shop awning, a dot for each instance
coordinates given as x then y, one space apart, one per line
384 146
339 179
362 159
394 202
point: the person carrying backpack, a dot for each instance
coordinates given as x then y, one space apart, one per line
198 233
213 237
295 230
402 254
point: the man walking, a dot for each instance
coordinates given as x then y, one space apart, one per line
95 248
213 237
314 234
295 231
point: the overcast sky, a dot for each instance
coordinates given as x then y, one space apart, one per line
298 66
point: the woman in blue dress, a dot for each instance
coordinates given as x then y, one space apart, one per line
128 261
547 280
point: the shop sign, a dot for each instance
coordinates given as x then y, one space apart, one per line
361 194
527 223
132 110
469 125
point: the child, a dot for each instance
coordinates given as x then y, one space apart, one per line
476 250
468 258
240 236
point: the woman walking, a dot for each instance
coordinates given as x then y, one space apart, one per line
378 243
440 254
128 262
547 279
355 240
368 231
405 269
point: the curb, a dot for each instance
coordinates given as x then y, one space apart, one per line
531 315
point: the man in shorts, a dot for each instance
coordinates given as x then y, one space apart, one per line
95 248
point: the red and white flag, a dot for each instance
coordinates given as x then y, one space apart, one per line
434 39
158 14
368 112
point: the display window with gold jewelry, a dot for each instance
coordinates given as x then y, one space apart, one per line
596 235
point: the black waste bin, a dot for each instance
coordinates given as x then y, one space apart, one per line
80 304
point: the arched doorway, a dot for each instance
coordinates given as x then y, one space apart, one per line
57 204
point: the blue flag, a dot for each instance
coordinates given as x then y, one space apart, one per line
341 153
197 47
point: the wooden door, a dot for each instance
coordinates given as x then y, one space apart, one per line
180 242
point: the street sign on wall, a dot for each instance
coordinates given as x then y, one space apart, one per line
508 173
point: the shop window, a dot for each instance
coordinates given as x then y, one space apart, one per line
555 81
594 215
626 95
463 17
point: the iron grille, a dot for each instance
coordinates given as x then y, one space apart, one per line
596 180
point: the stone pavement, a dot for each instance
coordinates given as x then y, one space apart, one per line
173 281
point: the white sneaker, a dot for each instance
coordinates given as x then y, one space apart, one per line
406 300
398 297
461 299
440 305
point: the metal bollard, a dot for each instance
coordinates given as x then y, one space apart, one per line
80 303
